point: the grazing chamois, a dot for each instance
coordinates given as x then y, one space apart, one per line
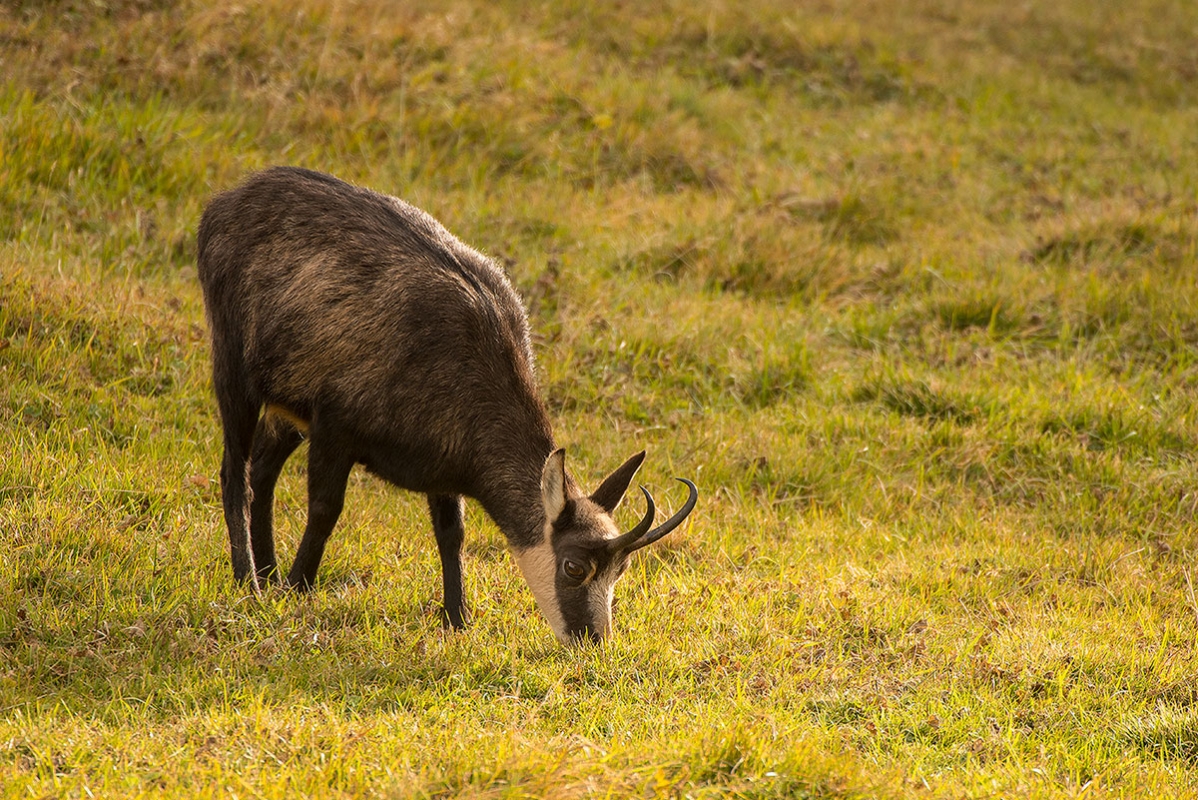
359 322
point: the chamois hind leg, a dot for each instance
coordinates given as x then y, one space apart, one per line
238 416
274 440
448 526
328 470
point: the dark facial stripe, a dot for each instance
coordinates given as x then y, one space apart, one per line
574 602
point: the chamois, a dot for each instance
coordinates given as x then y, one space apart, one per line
357 321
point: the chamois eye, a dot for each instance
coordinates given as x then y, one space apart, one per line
574 570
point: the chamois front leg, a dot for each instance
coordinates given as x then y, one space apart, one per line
446 511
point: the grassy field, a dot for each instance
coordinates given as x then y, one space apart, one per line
908 289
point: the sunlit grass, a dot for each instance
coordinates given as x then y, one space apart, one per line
907 289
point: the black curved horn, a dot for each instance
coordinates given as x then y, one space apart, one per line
671 523
625 540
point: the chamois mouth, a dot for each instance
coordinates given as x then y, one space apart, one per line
586 637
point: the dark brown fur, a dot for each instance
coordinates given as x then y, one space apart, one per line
400 347
359 320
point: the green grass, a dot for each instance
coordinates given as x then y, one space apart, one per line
908 289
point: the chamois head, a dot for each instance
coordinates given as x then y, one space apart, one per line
573 570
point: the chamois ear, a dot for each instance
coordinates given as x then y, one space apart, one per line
553 484
611 491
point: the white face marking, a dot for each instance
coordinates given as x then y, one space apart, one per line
603 587
600 594
538 564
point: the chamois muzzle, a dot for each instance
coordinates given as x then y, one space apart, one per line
641 536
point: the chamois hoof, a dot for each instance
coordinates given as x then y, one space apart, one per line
454 619
299 585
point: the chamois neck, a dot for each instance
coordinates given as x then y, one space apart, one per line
510 489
